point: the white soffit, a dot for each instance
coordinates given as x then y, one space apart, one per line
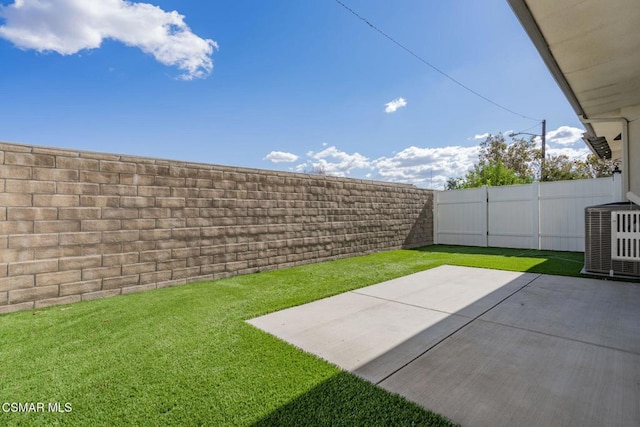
596 44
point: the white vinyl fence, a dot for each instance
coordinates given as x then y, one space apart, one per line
542 215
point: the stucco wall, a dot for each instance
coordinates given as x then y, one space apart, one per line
79 225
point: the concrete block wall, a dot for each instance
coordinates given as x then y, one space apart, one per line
80 225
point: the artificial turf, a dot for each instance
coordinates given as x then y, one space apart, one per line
185 355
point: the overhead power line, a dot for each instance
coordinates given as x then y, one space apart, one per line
424 61
524 130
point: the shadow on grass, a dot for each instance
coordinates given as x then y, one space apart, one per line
346 400
547 262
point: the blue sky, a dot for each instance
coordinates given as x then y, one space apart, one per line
279 84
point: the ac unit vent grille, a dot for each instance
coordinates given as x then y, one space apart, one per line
598 241
625 235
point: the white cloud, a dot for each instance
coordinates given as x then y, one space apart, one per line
565 135
70 26
481 136
392 106
281 157
426 167
421 166
336 162
430 167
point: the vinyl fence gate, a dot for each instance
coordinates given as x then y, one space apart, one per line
542 215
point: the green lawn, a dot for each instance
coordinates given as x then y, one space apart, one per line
185 356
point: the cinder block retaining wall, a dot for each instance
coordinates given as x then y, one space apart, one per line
79 225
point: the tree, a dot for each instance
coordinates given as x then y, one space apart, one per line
519 162
595 167
561 168
519 156
488 173
500 163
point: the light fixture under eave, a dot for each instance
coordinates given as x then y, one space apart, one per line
599 146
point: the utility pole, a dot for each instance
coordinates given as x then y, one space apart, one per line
543 152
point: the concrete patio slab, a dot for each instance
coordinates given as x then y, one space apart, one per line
360 333
495 375
600 312
461 290
485 347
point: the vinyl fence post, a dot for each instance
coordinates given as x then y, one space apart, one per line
536 238
485 202
436 199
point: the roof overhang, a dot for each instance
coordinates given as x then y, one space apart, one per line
591 47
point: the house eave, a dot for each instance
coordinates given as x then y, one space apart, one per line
528 22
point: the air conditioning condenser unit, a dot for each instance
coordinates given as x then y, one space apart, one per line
612 239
